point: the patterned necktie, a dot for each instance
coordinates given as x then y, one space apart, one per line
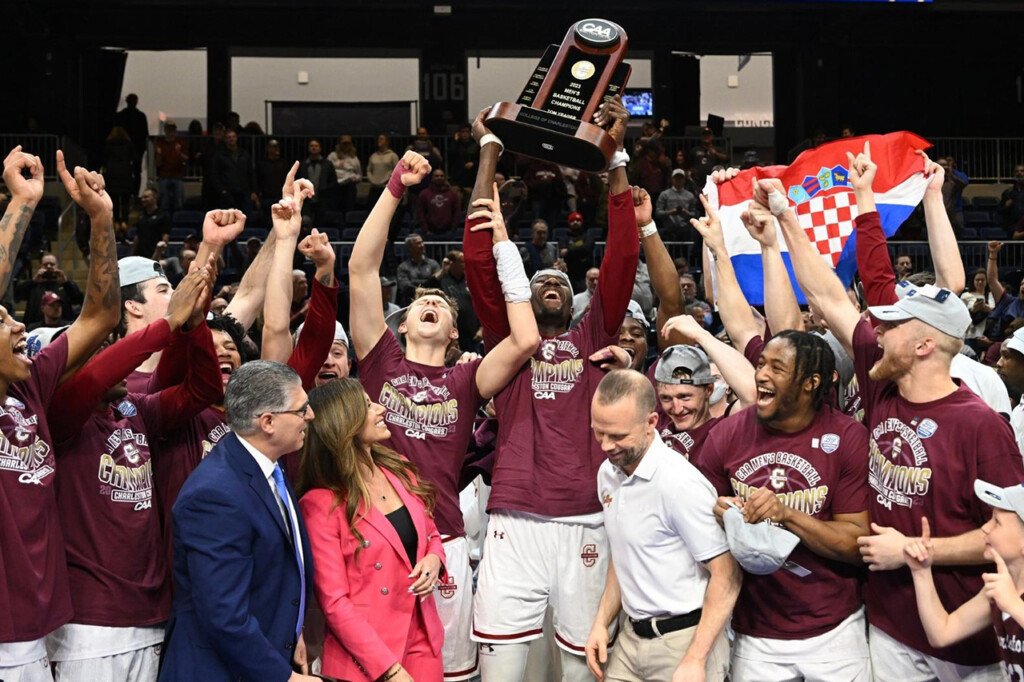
282 494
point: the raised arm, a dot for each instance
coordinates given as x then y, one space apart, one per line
733 307
100 312
287 223
220 228
735 368
992 271
946 259
367 304
314 343
247 302
25 196
664 277
781 310
503 361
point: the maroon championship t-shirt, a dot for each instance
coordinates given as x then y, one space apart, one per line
547 457
430 413
34 595
1010 638
820 471
177 456
105 492
139 382
686 443
923 460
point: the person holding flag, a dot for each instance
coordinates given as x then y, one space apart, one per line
928 437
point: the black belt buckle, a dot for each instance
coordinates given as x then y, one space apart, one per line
650 628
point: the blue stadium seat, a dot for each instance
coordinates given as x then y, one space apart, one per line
977 218
350 233
250 232
356 218
332 219
988 233
181 233
983 202
333 233
969 233
187 217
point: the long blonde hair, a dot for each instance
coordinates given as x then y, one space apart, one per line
333 453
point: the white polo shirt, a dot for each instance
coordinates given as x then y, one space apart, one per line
661 525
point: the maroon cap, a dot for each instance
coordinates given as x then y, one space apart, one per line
50 297
574 216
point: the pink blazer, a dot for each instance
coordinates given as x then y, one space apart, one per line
366 600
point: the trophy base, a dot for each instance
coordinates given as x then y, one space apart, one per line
550 137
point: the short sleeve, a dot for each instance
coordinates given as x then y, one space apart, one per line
692 516
999 460
852 485
712 459
48 367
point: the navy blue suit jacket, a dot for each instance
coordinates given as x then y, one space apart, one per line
237 584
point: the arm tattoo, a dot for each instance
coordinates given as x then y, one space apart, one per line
103 290
327 279
10 243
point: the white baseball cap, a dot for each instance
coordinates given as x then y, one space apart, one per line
1010 498
760 548
1016 342
938 308
339 333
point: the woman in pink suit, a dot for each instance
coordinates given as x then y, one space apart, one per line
376 551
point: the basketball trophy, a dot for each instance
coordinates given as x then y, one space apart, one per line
551 120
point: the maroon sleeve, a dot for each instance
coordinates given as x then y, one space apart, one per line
865 353
852 486
317 335
711 462
170 371
999 460
753 350
484 285
77 397
201 387
873 260
618 267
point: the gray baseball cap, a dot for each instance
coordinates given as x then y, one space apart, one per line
551 272
681 358
637 313
135 269
1010 498
938 308
760 548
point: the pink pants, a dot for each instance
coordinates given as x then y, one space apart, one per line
419 659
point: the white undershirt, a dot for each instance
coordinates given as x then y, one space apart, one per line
267 467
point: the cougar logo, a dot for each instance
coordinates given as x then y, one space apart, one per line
419 397
589 555
448 587
21 434
131 453
547 350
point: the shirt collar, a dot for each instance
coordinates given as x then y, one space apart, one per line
649 464
266 466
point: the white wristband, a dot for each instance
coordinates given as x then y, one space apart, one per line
777 203
619 159
648 229
511 274
491 137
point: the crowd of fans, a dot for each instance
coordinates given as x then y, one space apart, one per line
252 459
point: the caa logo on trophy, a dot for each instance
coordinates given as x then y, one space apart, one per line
551 120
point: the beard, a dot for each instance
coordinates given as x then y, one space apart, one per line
890 366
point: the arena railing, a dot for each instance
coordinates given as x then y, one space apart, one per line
43 146
989 159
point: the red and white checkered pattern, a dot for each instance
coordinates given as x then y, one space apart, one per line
828 221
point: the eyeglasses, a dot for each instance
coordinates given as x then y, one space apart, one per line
301 412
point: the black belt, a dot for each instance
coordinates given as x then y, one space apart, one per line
649 628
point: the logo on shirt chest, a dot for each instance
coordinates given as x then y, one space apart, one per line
898 468
428 411
21 449
794 480
120 474
554 373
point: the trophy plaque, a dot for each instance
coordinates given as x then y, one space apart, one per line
552 119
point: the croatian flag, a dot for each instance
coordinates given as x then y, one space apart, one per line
818 186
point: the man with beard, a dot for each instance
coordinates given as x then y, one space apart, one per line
429 406
1011 370
797 462
112 530
670 570
929 438
439 206
546 543
684 384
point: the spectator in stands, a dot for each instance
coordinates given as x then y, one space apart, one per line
300 298
315 169
952 192
707 145
682 266
271 171
439 206
196 142
590 193
651 169
643 293
118 170
1008 307
1011 370
979 301
51 309
1011 205
252 249
451 279
674 208
348 170
581 301
424 146
379 167
211 148
578 253
538 254
387 294
847 131
415 270
688 285
546 190
904 267
153 225
136 125
48 278
171 156
234 122
233 180
702 167
463 158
